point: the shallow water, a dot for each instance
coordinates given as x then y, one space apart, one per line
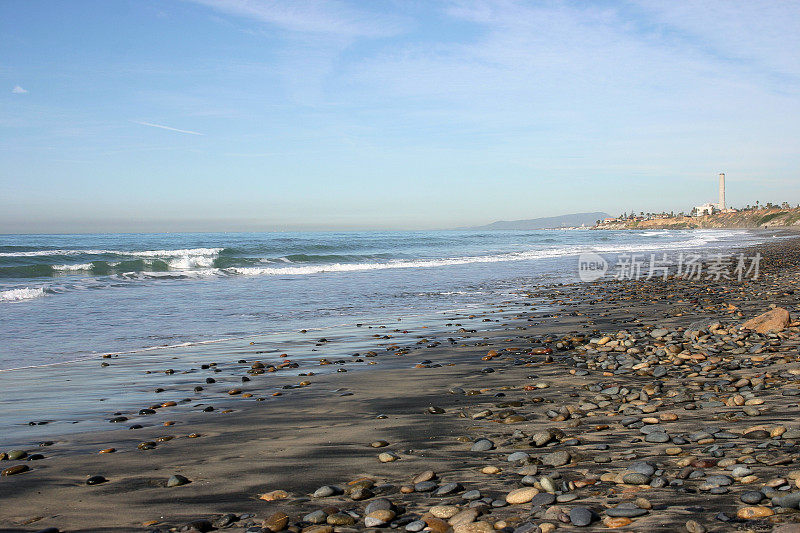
66 297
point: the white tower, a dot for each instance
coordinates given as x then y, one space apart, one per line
721 191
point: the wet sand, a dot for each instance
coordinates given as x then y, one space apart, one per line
533 383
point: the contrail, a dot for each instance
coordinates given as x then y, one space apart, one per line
166 127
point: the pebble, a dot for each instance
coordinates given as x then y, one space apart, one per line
177 480
753 512
523 495
581 516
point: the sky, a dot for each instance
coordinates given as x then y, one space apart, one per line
229 115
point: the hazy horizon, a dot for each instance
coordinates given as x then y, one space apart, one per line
229 115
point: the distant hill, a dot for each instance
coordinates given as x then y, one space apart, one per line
562 221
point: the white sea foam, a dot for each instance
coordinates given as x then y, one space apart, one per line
186 252
689 244
134 253
82 266
25 293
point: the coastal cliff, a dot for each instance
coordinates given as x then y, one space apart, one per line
751 218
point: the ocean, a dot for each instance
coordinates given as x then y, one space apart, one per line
64 298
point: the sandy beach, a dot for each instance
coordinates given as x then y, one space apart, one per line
634 405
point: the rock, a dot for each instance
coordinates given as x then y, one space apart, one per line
381 504
325 491
750 513
361 493
388 457
16 455
340 519
559 458
543 499
657 437
482 445
635 478
476 527
316 517
177 480
772 321
444 511
448 488
693 526
415 526
225 520
719 480
581 516
379 444
379 518
787 501
276 522
437 526
14 470
612 523
626 510
523 495
517 457
751 497
464 517
201 525
427 475
318 529
96 480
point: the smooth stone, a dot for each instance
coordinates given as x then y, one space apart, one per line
177 480
464 517
523 495
448 488
96 480
517 457
379 518
425 486
788 501
543 498
581 516
750 513
316 517
14 470
388 457
416 526
444 511
626 510
642 468
472 495
325 491
482 445
719 480
693 526
380 504
751 497
555 459
16 455
276 522
340 519
657 437
635 478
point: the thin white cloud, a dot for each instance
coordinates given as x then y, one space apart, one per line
311 16
18 90
166 127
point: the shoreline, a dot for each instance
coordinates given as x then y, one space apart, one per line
283 443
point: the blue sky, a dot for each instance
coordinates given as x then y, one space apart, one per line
237 115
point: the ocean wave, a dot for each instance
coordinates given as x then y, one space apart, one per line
25 293
71 268
184 252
